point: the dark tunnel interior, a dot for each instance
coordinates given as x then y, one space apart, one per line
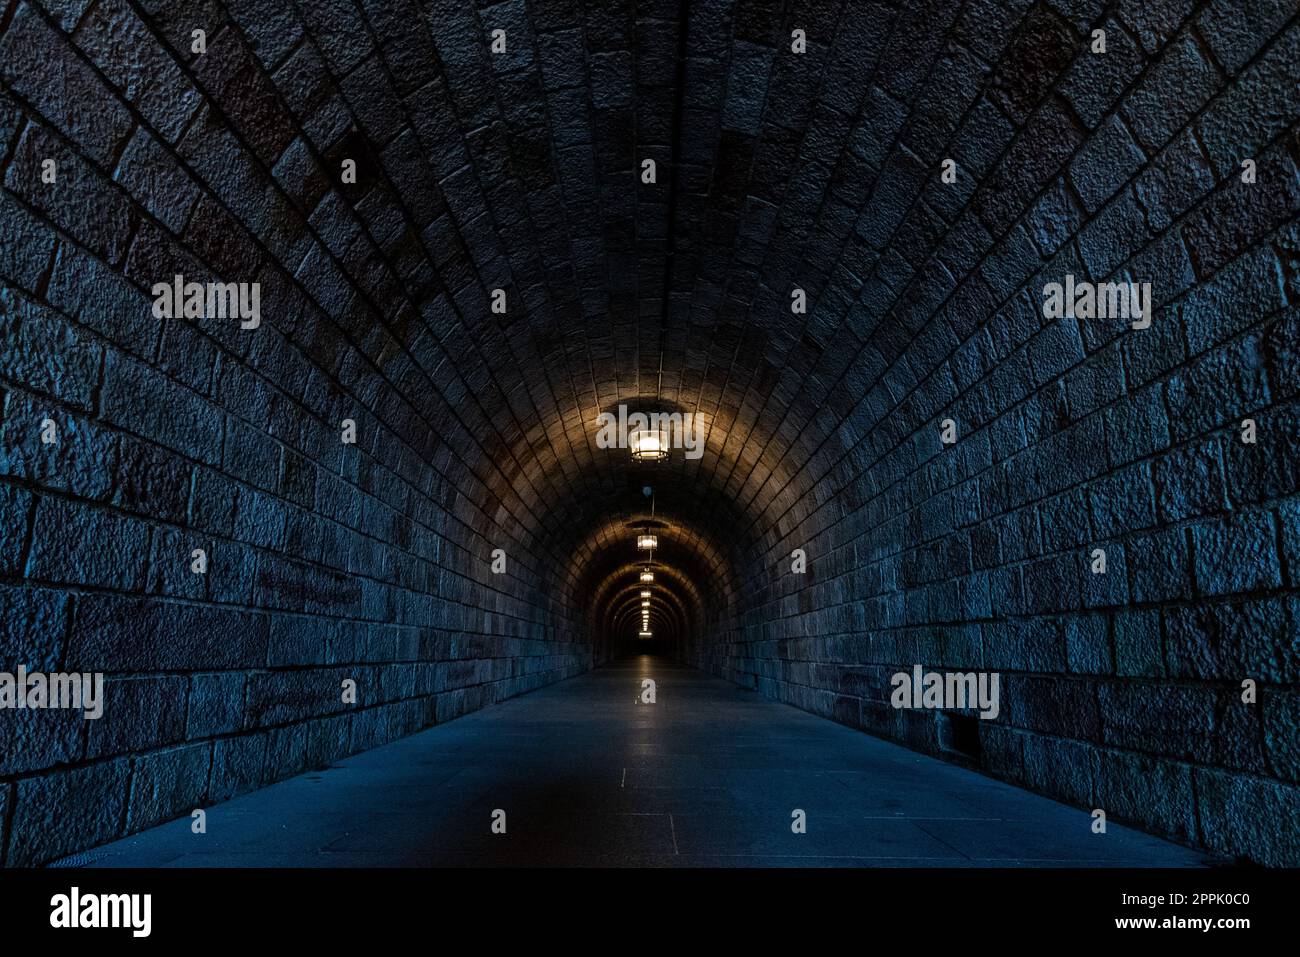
822 230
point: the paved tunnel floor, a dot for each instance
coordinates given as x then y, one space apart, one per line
587 775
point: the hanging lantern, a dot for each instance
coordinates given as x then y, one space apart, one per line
648 445
647 575
644 541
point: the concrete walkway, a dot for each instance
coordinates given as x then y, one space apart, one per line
587 775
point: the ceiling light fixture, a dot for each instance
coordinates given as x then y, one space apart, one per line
648 445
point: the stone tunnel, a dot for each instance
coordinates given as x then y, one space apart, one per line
971 327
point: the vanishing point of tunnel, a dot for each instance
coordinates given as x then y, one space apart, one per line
724 432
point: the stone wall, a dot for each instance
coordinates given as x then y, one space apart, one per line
1122 690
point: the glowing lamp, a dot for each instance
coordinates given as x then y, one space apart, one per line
648 445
